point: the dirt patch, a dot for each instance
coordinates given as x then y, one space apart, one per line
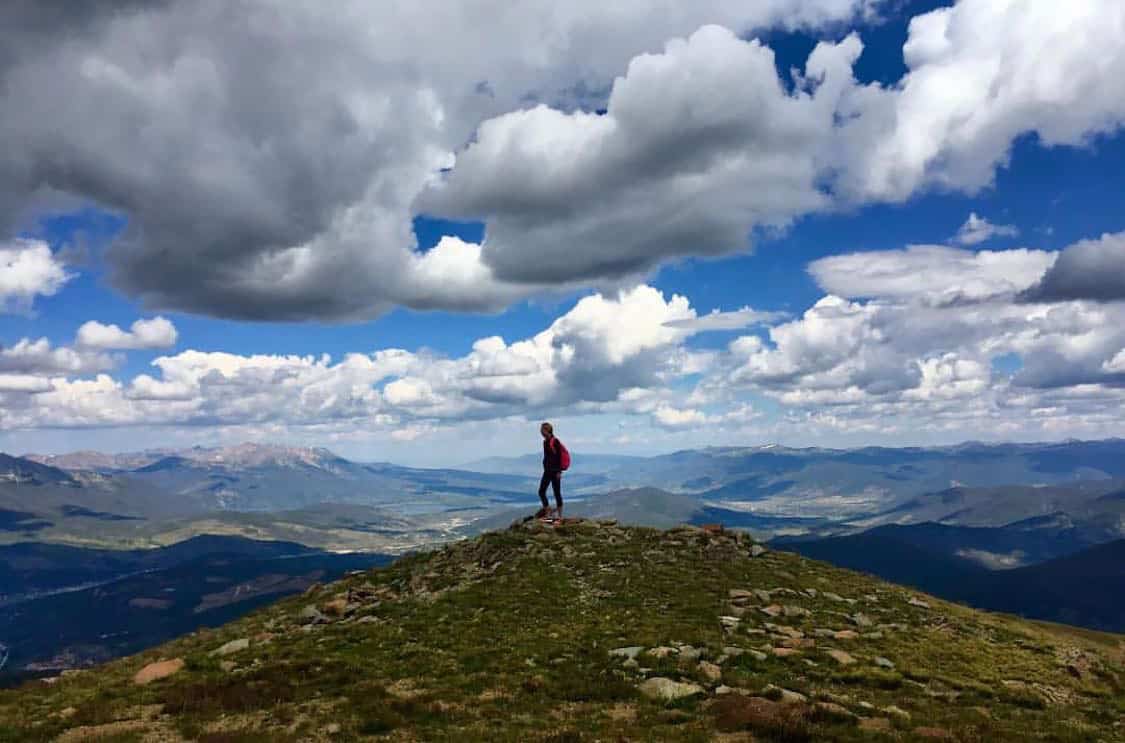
735 713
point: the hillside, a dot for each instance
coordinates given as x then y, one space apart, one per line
593 631
1085 588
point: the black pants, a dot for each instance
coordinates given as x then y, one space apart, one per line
555 480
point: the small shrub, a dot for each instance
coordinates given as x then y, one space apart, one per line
872 677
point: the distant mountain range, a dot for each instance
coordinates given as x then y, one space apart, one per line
265 492
241 455
162 495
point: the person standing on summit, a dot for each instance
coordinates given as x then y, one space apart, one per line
556 459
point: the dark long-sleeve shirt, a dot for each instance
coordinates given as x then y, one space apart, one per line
552 456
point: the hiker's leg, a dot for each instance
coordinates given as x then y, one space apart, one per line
556 485
543 489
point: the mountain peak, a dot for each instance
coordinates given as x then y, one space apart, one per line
590 630
252 454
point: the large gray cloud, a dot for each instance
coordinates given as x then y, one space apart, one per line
270 156
267 155
699 145
1090 269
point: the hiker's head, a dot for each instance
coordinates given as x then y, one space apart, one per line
547 430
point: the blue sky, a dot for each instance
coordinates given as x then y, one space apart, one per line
529 257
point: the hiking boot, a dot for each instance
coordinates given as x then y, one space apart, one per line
543 513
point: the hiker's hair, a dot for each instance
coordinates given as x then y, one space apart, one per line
548 427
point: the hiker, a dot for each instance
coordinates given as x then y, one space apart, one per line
556 459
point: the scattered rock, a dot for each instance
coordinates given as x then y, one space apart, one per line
798 642
833 710
333 729
662 652
785 652
667 690
757 550
156 671
630 652
773 610
710 671
875 724
311 615
787 696
739 594
795 611
335 607
757 654
689 653
68 712
883 662
846 634
762 595
861 620
920 604
844 659
832 596
933 733
729 622
896 712
232 647
227 665
786 630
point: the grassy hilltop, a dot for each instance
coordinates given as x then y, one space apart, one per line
592 631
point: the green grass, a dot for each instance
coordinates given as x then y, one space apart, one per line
507 638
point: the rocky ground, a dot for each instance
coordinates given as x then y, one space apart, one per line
592 631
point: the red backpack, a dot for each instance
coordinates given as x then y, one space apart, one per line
564 455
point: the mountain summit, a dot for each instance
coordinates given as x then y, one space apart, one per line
592 631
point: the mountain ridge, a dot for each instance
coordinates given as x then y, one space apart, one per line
590 630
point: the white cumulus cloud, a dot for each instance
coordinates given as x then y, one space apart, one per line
935 273
155 333
28 269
